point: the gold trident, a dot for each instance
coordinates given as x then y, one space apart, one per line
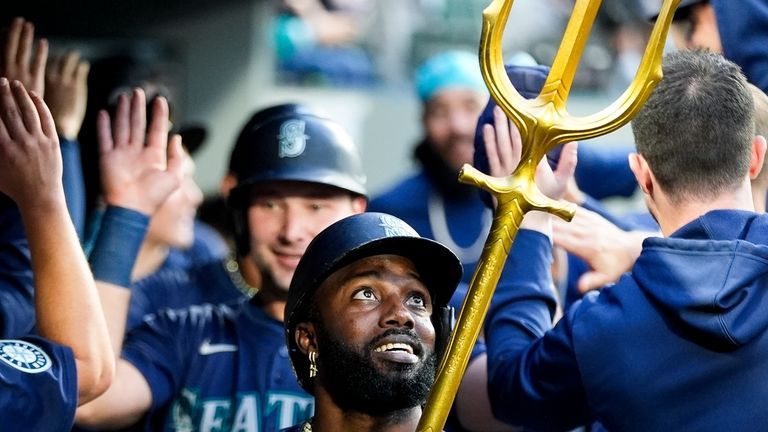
544 123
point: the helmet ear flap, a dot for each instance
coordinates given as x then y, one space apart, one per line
443 320
242 232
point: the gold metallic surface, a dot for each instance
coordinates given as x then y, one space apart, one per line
544 123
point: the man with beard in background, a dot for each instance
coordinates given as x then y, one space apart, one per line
366 321
453 94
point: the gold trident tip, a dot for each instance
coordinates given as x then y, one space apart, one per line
544 123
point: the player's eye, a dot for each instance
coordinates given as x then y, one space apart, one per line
364 294
264 203
418 301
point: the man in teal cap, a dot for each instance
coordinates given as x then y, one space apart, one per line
432 200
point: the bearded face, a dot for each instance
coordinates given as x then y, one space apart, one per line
359 383
374 336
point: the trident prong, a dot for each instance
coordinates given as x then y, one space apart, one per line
544 123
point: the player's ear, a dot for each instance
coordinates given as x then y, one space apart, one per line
757 158
306 337
642 172
359 204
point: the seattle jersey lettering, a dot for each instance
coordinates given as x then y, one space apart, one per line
251 412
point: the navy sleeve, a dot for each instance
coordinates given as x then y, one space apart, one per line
17 312
160 347
39 385
74 185
166 288
533 378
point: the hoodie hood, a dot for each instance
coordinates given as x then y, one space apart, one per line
744 36
709 279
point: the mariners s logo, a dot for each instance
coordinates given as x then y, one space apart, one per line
24 356
292 138
394 227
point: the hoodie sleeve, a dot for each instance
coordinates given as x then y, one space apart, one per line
533 377
743 27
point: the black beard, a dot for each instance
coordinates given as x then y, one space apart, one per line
443 177
356 385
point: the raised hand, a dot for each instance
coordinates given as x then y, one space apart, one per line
503 145
30 159
608 250
18 61
66 84
135 175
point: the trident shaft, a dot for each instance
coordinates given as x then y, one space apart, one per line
544 123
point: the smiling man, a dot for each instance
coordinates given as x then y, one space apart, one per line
224 366
367 318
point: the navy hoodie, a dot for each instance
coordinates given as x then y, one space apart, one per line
677 344
743 26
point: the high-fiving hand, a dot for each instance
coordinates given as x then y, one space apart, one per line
135 175
30 158
503 145
18 60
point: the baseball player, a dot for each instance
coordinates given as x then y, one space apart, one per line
225 366
71 363
366 321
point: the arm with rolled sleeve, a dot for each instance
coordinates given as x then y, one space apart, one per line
533 378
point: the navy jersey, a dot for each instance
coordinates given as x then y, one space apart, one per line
217 368
179 286
17 312
38 385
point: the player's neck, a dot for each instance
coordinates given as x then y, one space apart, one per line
272 300
759 199
674 215
249 271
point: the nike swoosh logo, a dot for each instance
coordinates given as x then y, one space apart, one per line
207 348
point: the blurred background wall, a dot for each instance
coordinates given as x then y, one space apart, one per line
224 59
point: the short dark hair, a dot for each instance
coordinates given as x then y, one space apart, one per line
696 128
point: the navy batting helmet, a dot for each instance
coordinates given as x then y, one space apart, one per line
360 236
652 8
291 142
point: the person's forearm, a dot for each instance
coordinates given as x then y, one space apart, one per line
68 308
114 253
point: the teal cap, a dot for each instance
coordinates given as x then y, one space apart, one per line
450 69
